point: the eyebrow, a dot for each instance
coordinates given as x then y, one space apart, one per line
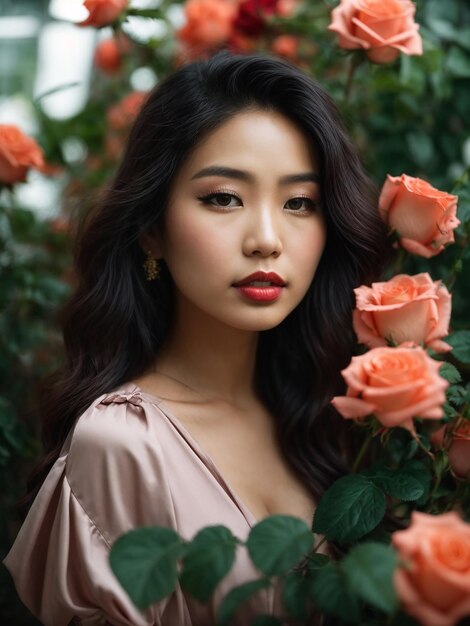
229 172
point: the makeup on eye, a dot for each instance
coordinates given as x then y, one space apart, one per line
312 204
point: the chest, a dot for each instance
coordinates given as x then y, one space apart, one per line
247 455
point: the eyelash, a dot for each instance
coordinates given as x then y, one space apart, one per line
208 197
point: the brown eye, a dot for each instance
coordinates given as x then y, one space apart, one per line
223 199
301 204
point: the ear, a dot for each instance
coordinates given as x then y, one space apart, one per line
151 241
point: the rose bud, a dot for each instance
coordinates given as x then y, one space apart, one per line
394 384
107 56
404 308
434 582
423 217
18 153
383 28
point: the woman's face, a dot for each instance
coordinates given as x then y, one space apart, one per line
246 200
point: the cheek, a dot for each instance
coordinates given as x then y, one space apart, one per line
307 251
192 244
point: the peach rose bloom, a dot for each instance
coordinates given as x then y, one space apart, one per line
434 587
455 437
122 115
394 384
18 153
383 28
424 217
286 46
108 56
103 12
404 308
208 22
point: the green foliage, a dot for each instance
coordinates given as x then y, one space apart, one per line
409 116
369 570
332 594
351 508
450 373
236 598
208 558
145 562
278 542
460 341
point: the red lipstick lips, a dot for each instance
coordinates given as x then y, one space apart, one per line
261 286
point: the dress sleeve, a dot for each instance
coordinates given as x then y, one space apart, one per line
109 479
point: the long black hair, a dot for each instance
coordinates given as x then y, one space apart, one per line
115 322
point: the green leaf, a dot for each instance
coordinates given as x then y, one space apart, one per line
449 411
332 595
349 509
419 471
460 342
278 542
209 557
144 561
420 146
398 484
265 620
463 209
236 597
315 561
450 373
295 595
444 29
458 62
369 570
456 394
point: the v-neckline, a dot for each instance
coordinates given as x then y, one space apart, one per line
249 516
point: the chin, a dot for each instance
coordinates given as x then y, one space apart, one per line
260 321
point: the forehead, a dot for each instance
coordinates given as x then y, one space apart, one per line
250 139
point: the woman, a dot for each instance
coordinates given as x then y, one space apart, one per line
210 323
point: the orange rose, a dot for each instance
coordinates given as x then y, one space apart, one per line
455 438
122 115
395 384
423 216
286 46
405 308
108 56
383 28
103 12
208 23
434 584
18 153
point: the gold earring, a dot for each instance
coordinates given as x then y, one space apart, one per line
151 267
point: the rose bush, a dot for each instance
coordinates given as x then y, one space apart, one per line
405 308
395 384
18 153
103 12
424 217
434 581
383 28
390 471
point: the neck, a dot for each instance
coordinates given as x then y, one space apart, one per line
213 359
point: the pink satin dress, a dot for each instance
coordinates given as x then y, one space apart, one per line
127 463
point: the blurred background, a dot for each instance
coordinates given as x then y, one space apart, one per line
76 91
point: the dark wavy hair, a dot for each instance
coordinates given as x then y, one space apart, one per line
115 322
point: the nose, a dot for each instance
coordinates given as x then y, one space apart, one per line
262 236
